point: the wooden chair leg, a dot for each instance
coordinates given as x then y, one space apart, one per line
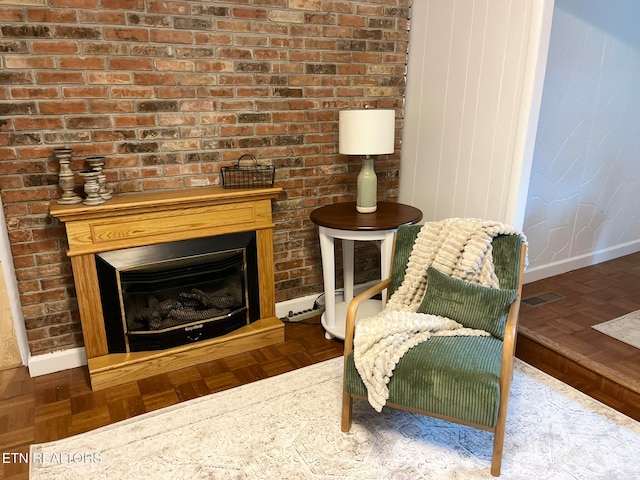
347 405
498 446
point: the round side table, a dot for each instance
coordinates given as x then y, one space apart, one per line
342 221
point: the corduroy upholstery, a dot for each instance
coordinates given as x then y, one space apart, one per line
458 378
451 376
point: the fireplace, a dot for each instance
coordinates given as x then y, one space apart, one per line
161 296
176 248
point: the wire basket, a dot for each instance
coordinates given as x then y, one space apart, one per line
248 174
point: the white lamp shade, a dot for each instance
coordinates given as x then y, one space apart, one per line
367 132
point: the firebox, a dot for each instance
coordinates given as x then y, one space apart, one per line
161 296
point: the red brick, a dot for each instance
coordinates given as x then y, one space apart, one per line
352 20
154 78
104 18
130 64
196 79
111 106
74 3
81 63
235 79
14 210
34 92
196 106
29 287
40 209
124 5
135 121
59 77
48 283
158 6
89 149
132 92
37 123
46 15
28 62
63 107
110 78
84 92
250 13
176 92
9 182
233 26
126 34
176 119
253 92
313 5
11 14
233 131
113 136
213 38
34 247
163 36
59 47
175 65
162 183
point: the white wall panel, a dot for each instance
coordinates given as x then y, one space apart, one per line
471 93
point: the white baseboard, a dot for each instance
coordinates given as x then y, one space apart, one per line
563 266
56 361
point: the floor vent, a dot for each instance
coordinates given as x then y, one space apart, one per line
542 299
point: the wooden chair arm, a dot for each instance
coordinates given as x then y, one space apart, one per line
511 328
506 369
350 322
510 333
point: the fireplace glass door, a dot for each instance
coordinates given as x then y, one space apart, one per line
166 295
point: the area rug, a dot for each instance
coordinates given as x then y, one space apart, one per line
625 328
288 427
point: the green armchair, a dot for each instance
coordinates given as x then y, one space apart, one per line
462 379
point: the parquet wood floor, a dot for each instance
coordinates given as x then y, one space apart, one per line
556 337
50 407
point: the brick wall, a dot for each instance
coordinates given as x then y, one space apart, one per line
170 91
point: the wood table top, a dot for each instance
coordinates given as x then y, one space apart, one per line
344 216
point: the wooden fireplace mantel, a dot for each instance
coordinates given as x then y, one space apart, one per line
139 219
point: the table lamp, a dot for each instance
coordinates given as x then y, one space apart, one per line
367 132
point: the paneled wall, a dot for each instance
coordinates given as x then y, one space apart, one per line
584 196
474 81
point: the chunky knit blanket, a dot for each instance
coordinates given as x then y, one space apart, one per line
457 247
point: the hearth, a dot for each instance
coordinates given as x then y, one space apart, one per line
161 296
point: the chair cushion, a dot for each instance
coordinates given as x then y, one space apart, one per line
472 305
456 377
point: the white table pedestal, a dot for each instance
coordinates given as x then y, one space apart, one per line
342 221
333 318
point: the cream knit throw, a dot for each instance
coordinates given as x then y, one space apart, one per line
458 247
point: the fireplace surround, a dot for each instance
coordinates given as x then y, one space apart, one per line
190 218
